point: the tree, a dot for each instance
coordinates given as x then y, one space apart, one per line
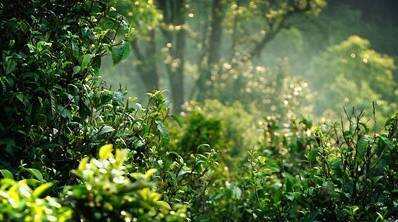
351 72
201 35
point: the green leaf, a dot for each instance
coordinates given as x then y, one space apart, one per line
149 173
363 145
20 97
106 129
290 182
204 147
76 69
64 112
236 192
164 205
6 174
78 191
120 53
178 119
36 174
163 131
85 61
9 65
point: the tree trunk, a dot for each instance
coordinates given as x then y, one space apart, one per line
174 14
177 78
147 68
217 15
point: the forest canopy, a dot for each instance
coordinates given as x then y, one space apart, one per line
213 110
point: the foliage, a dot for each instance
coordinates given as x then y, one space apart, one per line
313 173
183 50
188 178
201 130
355 178
141 13
108 192
229 129
352 73
245 155
272 92
52 98
20 202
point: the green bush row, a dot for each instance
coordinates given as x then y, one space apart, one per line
296 172
106 191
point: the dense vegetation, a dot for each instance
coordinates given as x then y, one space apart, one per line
240 137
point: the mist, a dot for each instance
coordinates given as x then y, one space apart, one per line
333 49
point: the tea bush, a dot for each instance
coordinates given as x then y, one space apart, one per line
228 129
108 192
355 177
52 97
22 201
312 173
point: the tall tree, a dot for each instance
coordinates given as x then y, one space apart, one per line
183 21
214 42
175 36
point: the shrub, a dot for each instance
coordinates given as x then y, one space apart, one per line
312 173
228 129
22 201
349 174
353 174
52 98
200 130
108 192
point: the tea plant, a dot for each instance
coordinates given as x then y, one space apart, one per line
109 192
52 98
24 201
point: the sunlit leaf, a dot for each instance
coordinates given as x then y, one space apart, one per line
105 151
41 189
6 174
106 129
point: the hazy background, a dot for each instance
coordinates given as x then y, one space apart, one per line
342 56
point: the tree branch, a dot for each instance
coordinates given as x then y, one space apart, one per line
275 28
